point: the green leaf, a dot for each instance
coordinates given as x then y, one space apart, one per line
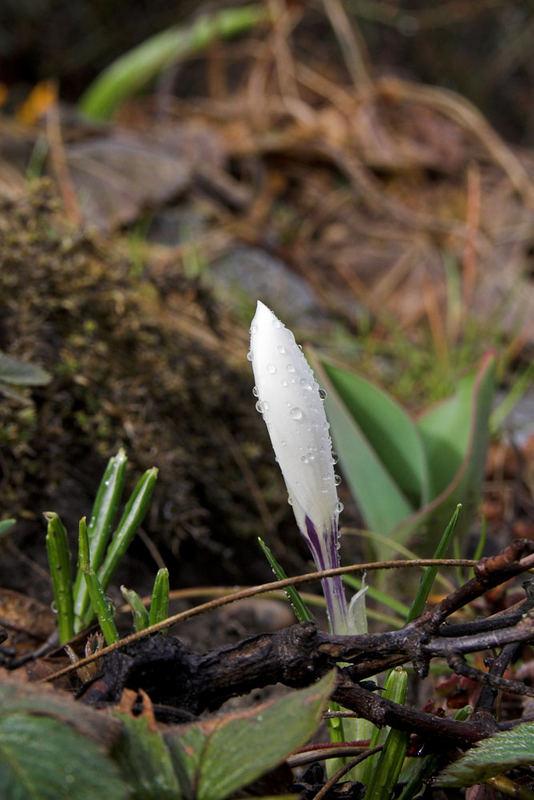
455 435
453 428
139 612
499 753
429 576
145 762
407 477
59 564
159 601
132 517
22 373
43 759
381 501
99 603
137 68
219 756
103 515
6 525
388 429
302 612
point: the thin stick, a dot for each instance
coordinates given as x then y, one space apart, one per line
251 591
331 782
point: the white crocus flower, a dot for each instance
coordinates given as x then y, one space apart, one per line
292 405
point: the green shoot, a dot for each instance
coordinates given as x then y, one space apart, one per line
139 612
133 516
302 613
159 602
59 563
101 521
429 576
100 605
382 776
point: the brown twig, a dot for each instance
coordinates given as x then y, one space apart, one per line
252 591
331 782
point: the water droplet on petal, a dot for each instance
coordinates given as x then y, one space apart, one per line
253 329
335 457
255 392
249 355
285 384
281 349
323 394
262 406
337 480
296 413
290 368
271 369
304 382
340 507
290 501
304 459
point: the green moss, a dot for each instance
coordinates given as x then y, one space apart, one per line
128 370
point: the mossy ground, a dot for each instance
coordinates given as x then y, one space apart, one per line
145 361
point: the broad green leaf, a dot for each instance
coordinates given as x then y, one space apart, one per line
499 753
455 434
382 503
25 698
22 373
145 762
219 756
449 429
387 427
407 477
43 759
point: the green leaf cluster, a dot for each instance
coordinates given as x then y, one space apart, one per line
51 747
408 475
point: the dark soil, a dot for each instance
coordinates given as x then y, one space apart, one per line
145 361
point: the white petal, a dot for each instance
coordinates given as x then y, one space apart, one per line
288 398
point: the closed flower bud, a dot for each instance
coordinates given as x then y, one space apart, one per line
291 402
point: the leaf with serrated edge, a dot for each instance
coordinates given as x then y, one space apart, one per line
222 754
499 753
145 761
43 758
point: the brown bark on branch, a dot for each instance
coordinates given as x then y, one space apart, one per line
174 676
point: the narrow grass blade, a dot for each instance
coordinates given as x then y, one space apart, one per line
101 521
302 613
133 516
384 776
429 576
100 605
139 612
159 602
59 562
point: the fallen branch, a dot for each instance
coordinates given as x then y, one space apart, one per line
176 677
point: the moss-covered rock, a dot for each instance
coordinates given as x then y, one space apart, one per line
149 362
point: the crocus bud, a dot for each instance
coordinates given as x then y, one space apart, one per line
291 402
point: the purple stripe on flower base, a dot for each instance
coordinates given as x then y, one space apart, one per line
325 553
